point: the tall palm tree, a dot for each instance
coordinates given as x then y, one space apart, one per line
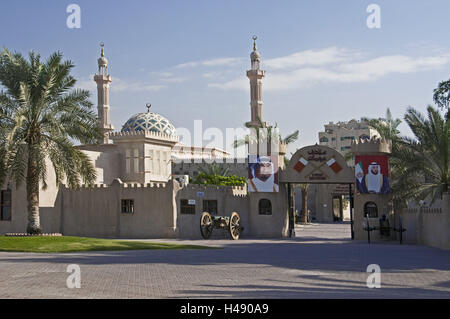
41 116
441 95
304 191
264 131
423 162
387 128
215 169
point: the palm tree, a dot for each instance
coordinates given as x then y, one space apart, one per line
387 128
441 95
215 169
304 190
422 163
40 118
264 131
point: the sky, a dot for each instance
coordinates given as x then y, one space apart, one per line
189 58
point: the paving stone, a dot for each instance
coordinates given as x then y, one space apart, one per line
321 262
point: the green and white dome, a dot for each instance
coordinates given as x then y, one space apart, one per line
149 121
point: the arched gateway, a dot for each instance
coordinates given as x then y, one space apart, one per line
317 164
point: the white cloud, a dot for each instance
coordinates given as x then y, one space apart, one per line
307 68
310 57
378 67
86 83
240 83
211 62
162 74
119 85
174 80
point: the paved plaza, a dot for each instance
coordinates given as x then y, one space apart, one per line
321 262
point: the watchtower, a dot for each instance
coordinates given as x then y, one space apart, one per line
372 200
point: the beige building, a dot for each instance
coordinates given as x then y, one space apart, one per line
135 194
328 203
339 136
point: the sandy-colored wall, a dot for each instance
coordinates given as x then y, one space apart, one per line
269 226
47 198
97 212
428 226
231 200
384 208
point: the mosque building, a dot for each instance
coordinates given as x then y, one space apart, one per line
141 190
136 193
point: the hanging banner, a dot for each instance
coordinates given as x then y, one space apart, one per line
263 174
372 174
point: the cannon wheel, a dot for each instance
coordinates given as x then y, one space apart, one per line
235 226
206 225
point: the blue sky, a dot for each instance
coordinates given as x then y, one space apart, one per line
188 58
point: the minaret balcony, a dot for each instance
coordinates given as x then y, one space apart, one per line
102 78
256 73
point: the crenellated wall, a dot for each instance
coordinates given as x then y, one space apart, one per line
428 226
97 211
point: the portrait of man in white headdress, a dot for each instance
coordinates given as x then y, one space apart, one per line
262 175
374 181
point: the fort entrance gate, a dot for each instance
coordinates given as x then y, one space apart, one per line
317 164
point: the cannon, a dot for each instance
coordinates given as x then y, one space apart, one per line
232 224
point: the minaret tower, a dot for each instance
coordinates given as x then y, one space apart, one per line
103 79
255 75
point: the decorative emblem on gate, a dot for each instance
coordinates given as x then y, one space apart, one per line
317 156
333 164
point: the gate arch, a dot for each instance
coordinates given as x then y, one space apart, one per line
317 164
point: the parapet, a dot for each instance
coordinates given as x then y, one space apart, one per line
240 191
121 184
143 134
373 146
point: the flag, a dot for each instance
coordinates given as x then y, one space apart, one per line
359 171
300 164
334 165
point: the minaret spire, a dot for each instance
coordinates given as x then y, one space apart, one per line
103 80
255 75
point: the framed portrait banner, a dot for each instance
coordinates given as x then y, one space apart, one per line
372 174
263 174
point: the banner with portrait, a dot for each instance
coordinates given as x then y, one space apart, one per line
372 174
263 174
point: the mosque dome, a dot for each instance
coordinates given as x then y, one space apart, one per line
149 121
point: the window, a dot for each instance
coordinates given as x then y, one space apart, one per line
344 148
5 213
136 160
265 207
187 207
364 137
128 161
371 209
210 206
323 139
149 162
127 206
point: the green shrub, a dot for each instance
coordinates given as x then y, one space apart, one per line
219 180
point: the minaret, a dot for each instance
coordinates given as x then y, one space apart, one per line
103 79
255 75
